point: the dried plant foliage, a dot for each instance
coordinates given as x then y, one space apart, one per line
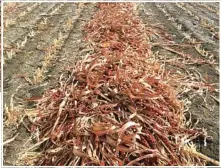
118 106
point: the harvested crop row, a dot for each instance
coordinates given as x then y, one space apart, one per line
18 90
117 107
195 99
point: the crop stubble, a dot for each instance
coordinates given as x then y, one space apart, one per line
20 69
24 63
207 111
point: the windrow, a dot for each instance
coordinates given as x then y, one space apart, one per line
117 107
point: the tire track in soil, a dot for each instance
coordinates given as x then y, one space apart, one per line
11 36
209 117
21 66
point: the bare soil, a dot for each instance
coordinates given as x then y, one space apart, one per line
28 39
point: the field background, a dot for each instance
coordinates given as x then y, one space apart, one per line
42 40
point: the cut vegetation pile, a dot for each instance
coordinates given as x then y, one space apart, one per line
118 106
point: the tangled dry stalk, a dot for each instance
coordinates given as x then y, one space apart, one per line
117 107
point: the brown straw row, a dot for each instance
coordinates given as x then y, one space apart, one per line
117 107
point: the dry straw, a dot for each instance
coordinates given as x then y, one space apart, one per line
117 107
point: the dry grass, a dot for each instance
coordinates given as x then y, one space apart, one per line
118 106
